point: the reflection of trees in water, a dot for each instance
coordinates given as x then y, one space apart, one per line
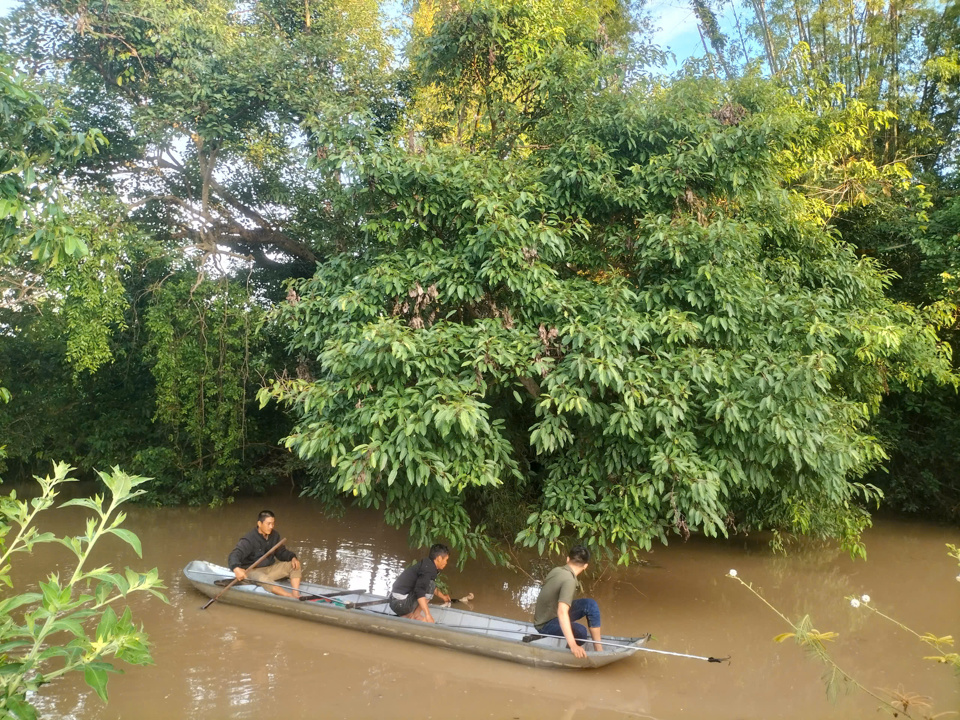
78 707
251 662
360 566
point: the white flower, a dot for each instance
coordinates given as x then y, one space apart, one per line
865 598
958 578
733 573
854 603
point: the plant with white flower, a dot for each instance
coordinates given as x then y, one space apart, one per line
942 645
815 642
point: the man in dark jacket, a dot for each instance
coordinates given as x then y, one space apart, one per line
252 546
411 593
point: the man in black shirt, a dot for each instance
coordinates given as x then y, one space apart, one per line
411 593
252 546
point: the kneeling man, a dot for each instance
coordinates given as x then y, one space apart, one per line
557 612
411 594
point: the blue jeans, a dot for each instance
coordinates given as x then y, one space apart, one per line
581 608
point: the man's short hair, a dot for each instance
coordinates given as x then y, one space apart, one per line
579 555
439 550
264 514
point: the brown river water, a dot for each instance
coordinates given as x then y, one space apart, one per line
228 662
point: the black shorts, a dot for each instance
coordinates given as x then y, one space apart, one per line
405 606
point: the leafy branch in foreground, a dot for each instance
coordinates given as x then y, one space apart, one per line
49 636
814 642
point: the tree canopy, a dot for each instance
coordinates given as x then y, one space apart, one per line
504 280
633 327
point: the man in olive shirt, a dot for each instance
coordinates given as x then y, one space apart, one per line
557 612
252 546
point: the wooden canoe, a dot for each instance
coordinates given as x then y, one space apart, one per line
454 628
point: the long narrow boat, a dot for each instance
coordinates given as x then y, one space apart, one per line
454 628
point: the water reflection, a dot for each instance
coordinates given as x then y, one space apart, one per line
526 596
359 566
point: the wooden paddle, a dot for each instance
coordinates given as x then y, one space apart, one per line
267 554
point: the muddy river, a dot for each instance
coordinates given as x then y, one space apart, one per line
228 662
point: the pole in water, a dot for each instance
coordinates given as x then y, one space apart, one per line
641 648
652 650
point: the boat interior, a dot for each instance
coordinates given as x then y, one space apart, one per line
447 617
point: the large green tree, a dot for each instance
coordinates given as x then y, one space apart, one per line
202 102
556 298
900 58
614 319
45 229
198 201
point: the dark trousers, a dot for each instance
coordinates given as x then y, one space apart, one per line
581 608
405 606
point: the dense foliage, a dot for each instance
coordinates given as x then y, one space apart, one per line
203 173
506 281
901 58
634 328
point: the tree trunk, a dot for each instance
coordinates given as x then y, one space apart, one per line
761 12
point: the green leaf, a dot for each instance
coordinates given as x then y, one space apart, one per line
108 621
69 624
11 668
19 709
130 538
13 645
52 594
83 502
10 604
96 678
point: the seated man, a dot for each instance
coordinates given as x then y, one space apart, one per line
411 593
556 612
252 546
